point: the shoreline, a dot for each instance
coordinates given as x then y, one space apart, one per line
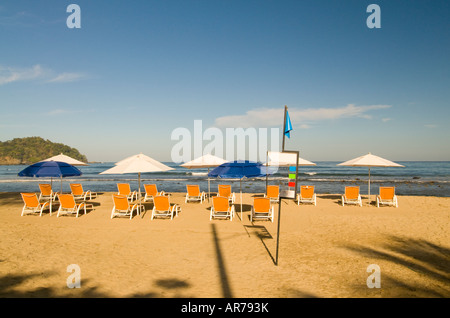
325 251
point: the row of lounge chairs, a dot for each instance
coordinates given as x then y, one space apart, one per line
67 202
222 206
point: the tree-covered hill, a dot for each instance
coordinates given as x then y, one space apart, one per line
33 149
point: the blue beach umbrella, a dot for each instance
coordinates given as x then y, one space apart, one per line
240 169
53 169
50 169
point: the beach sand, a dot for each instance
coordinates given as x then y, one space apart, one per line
325 251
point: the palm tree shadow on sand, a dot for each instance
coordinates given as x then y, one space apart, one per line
11 286
428 261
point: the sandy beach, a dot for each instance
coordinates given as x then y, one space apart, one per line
324 251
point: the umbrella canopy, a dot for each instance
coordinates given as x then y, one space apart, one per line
63 158
285 159
50 169
205 161
141 160
238 170
137 164
369 161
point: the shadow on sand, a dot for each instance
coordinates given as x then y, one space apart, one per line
428 261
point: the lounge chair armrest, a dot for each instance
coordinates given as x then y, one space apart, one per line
45 205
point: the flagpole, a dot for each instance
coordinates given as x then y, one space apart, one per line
267 168
280 199
284 127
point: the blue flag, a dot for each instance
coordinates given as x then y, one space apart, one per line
288 126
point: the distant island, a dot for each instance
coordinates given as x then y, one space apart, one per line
33 149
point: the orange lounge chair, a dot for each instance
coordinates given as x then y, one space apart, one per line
387 196
306 195
162 207
79 193
122 207
67 205
221 208
124 189
194 194
351 196
151 191
46 192
273 193
262 209
224 190
32 204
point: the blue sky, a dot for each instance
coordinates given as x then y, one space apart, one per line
137 70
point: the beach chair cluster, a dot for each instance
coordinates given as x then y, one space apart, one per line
128 203
67 202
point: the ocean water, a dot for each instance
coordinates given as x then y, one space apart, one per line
416 178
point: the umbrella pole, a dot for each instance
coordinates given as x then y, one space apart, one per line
369 185
61 184
241 196
139 182
209 189
51 196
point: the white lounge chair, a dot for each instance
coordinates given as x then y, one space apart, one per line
163 208
306 195
194 194
351 196
67 205
80 194
221 208
122 207
151 191
224 190
387 196
32 204
273 193
124 189
261 209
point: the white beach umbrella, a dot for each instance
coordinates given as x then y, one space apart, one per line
63 158
369 161
280 159
205 161
137 164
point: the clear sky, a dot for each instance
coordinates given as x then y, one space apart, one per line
137 70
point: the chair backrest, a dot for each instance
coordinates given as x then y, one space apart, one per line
161 203
193 190
151 189
67 201
30 200
120 202
261 204
273 191
307 191
221 204
224 190
76 188
387 193
352 193
46 189
124 188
